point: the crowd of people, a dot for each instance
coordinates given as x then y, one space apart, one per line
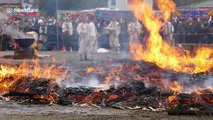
193 30
83 34
86 34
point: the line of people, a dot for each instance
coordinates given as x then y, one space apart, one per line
86 33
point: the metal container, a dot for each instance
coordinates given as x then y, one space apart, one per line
23 48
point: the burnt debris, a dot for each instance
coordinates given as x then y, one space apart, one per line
132 85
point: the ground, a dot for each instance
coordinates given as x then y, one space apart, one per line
14 111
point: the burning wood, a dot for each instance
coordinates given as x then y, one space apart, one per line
132 85
160 52
165 83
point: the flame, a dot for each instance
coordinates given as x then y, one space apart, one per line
175 86
157 50
172 99
90 69
10 75
111 97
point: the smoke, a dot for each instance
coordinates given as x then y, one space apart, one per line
71 81
208 82
14 33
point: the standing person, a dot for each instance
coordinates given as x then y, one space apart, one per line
169 31
114 29
43 32
67 32
134 29
29 26
93 42
83 31
51 31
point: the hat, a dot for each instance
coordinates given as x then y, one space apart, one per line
40 21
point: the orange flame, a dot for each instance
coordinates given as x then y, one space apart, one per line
90 69
175 86
26 70
159 52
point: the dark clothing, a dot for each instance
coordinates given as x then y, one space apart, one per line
51 38
66 40
1 39
29 29
211 24
204 36
37 26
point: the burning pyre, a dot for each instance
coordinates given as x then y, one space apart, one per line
123 84
161 78
157 50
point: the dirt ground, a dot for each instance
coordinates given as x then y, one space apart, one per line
13 111
132 115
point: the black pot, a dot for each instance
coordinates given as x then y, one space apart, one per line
24 42
24 50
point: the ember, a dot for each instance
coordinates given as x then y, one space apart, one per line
150 89
161 78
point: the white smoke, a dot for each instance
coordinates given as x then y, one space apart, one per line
91 81
208 83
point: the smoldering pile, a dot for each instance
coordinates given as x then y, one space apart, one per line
122 84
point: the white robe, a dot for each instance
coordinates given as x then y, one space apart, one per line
169 30
83 31
134 29
114 28
93 38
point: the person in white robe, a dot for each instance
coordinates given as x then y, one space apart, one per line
93 41
114 29
134 29
84 38
169 31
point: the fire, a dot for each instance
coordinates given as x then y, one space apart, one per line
172 99
90 69
157 50
175 86
10 75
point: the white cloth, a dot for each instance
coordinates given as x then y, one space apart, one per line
67 27
93 38
134 29
83 31
169 30
93 29
114 28
43 33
